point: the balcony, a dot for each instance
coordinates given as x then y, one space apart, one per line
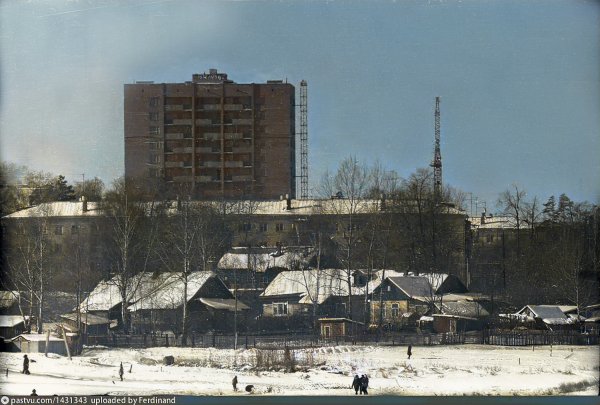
204 121
175 135
173 164
210 107
230 136
241 178
212 163
242 150
234 163
174 107
233 107
241 121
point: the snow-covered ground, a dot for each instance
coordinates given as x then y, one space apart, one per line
435 370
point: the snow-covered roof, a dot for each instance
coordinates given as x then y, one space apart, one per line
500 222
88 319
36 337
167 290
549 314
464 308
106 294
9 321
263 259
224 303
332 282
8 298
58 209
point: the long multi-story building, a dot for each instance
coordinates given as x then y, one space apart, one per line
212 137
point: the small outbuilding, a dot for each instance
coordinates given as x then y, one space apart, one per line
90 324
12 325
332 328
36 343
444 323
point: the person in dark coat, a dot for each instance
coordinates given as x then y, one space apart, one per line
25 365
356 384
409 351
33 393
234 383
364 384
121 371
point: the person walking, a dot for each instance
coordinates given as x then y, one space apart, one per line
234 383
364 384
409 351
121 371
25 365
356 384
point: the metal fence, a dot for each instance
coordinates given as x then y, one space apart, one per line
301 341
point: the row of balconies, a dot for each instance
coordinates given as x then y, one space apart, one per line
210 164
208 121
208 149
210 179
209 136
208 107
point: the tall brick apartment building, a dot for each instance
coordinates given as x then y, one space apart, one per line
212 136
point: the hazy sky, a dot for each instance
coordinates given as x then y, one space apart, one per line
519 81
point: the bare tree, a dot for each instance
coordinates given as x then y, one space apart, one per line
131 236
193 236
31 259
349 186
512 202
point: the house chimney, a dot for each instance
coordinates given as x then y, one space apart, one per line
84 207
483 218
288 202
382 206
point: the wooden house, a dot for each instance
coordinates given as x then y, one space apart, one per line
292 295
549 317
211 305
401 295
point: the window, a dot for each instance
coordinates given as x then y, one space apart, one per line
58 230
153 102
245 227
74 229
279 227
395 310
154 130
263 227
280 308
154 159
153 116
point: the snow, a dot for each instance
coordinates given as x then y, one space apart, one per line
432 370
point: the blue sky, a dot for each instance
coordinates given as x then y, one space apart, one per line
519 81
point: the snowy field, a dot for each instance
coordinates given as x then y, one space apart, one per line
435 370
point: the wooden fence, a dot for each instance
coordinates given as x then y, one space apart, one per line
300 341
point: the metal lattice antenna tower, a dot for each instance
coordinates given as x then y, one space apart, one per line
437 157
303 140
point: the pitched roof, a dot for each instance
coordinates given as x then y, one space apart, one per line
167 290
464 308
36 337
87 319
549 314
263 259
106 294
223 303
58 209
8 298
332 282
415 287
9 321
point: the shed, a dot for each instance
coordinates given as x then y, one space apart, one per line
443 323
91 324
12 325
332 328
36 343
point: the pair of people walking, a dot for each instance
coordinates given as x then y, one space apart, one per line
360 383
